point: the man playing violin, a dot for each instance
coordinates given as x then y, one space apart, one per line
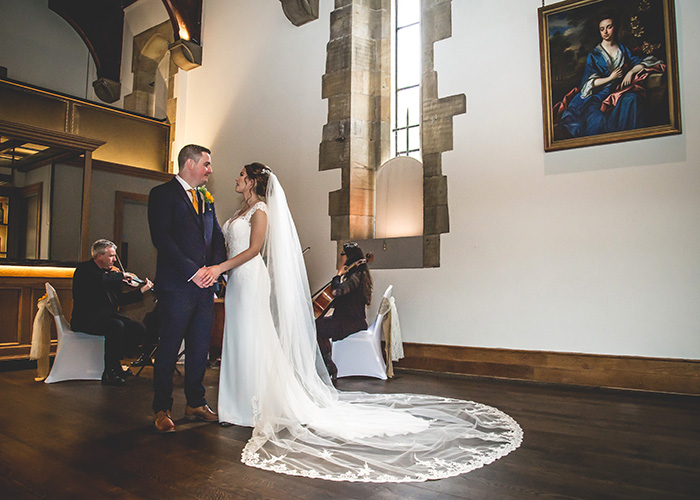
351 289
97 297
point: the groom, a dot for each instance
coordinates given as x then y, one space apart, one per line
188 238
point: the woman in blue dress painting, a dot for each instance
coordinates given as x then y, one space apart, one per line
612 96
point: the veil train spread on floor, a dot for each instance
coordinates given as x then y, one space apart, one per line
305 427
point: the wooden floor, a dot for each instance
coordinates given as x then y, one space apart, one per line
76 440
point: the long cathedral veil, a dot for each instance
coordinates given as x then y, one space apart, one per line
305 427
290 300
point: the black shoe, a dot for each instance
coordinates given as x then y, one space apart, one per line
330 365
332 370
111 377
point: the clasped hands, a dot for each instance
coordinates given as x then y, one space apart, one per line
206 276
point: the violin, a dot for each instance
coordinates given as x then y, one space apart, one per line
129 278
324 297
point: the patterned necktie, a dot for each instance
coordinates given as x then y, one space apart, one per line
195 201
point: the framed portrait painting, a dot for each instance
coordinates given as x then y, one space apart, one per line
609 71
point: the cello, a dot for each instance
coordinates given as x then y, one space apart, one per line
324 298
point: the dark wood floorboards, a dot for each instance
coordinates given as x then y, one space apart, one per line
76 440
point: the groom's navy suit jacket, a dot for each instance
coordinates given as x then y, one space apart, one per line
186 241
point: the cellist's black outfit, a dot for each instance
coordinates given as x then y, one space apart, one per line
97 296
348 316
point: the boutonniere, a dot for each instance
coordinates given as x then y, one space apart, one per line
206 195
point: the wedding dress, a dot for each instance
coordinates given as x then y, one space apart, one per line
273 378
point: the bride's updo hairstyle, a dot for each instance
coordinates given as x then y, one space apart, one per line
260 174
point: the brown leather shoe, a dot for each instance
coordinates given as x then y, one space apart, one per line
164 422
202 413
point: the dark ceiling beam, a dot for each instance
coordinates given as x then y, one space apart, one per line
45 137
100 24
10 144
50 155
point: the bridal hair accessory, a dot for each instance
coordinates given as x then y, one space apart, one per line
266 171
208 198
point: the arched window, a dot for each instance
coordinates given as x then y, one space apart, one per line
381 106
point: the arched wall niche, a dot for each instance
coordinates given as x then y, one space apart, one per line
399 198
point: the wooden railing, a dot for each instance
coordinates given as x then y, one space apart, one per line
131 140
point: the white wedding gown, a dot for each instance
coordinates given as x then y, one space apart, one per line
272 378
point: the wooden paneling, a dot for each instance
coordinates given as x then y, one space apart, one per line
127 138
624 372
120 197
9 305
131 140
19 295
217 330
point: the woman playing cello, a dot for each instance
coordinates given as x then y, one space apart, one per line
351 289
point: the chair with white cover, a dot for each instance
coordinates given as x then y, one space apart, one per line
79 356
360 354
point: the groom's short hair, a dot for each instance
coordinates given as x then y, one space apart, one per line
191 151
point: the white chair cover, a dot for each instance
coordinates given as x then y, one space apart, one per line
79 356
360 354
391 328
41 339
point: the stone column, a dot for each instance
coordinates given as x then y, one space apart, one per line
355 139
436 130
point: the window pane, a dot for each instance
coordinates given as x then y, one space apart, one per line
408 12
414 138
401 141
408 100
407 78
408 56
414 106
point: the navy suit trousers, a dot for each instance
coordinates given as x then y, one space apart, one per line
189 316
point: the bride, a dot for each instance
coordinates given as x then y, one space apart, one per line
274 380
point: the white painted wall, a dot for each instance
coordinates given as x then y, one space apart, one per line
38 47
587 250
591 250
257 97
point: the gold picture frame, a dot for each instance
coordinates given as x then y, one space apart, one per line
585 101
